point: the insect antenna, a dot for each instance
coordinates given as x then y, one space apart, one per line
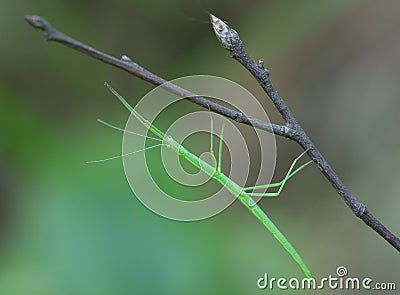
123 155
127 154
127 131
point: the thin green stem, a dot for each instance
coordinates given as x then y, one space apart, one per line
215 163
220 148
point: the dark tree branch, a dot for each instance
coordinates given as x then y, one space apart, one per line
133 68
231 41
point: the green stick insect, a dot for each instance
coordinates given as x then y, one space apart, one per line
243 194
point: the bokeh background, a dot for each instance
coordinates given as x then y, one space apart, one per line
72 228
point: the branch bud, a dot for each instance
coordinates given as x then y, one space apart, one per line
227 36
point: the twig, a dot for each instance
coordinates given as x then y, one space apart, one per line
292 129
126 64
230 40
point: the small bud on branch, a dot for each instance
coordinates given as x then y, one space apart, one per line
227 36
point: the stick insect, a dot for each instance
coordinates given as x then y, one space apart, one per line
243 194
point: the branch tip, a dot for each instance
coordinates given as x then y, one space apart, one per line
227 36
36 21
40 23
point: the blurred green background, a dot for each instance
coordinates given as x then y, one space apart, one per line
72 228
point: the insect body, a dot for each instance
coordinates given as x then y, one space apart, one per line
243 194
